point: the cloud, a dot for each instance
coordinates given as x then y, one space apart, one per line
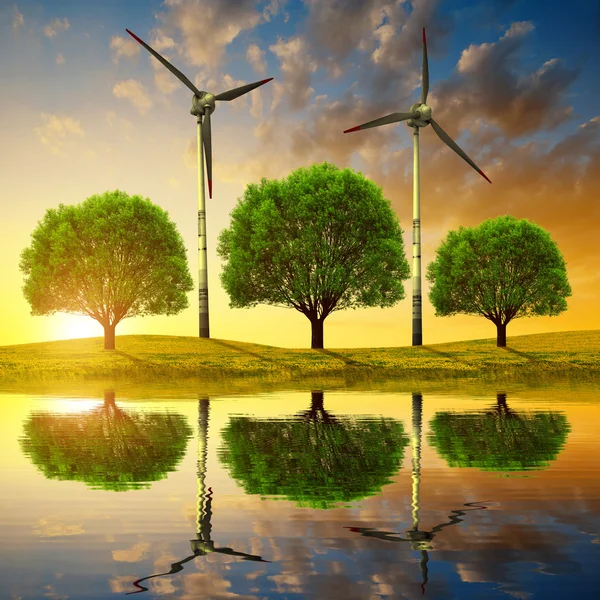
60 59
386 34
122 584
474 56
55 527
57 130
18 20
257 104
336 28
322 137
212 585
282 145
256 58
201 20
296 66
399 41
190 155
133 91
164 80
55 27
159 41
272 9
518 28
277 95
120 122
122 46
134 554
51 593
489 83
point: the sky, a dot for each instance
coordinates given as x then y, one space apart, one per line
86 109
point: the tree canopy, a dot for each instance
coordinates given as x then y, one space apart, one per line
106 448
111 257
321 240
499 439
314 459
503 269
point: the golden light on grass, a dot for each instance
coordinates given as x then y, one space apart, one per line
159 358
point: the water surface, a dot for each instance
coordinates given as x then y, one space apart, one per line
301 494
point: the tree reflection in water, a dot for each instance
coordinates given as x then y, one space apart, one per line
499 439
107 448
314 459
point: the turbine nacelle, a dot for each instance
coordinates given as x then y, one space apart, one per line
424 112
203 104
420 116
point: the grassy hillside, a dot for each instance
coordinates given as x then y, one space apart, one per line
571 354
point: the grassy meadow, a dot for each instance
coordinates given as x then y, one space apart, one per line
572 355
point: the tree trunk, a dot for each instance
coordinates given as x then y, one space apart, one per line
109 398
317 333
501 406
109 336
317 412
316 401
501 335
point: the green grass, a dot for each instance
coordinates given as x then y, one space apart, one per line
158 358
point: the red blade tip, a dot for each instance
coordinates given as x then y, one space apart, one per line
210 188
357 128
133 36
266 80
424 40
483 174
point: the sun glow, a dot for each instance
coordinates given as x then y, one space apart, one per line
75 405
69 327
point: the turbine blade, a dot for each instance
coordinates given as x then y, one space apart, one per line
452 144
240 91
167 64
393 118
207 150
425 73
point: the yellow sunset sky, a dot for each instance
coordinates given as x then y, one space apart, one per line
85 109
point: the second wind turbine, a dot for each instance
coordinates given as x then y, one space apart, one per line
419 116
203 105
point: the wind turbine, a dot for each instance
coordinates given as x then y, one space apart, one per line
419 116
203 105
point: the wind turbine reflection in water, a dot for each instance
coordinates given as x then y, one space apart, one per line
203 544
419 540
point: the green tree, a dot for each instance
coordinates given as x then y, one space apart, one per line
499 439
106 448
315 459
111 257
320 240
502 270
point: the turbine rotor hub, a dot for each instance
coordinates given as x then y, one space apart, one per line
203 104
424 115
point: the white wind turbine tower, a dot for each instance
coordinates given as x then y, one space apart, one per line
419 116
203 105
